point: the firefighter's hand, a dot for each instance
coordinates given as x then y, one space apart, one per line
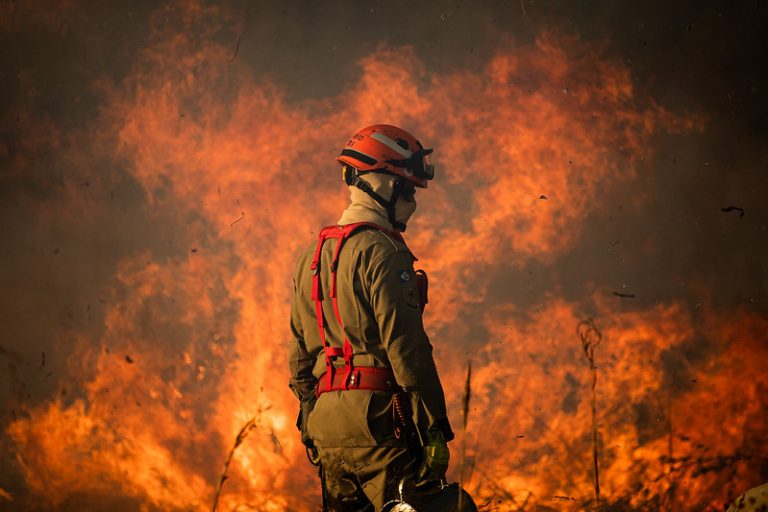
313 455
436 457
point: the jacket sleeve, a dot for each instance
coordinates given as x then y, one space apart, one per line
302 382
395 302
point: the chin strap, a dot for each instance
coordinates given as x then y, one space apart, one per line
352 177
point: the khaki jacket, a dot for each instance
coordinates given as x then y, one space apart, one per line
379 304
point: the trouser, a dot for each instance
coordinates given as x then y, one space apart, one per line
364 479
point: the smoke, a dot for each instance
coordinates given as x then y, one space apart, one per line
163 166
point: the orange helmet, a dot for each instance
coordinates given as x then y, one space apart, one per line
387 148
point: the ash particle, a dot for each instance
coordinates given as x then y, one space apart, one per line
728 209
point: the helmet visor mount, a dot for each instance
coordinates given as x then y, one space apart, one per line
419 164
428 168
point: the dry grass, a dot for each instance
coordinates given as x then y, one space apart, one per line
244 431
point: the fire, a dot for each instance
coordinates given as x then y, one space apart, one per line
533 398
193 341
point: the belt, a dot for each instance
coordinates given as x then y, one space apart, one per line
362 377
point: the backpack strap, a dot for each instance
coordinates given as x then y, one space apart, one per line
341 234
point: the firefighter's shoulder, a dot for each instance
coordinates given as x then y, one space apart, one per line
304 260
378 244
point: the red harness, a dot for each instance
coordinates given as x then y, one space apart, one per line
361 377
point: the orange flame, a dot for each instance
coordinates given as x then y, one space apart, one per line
193 342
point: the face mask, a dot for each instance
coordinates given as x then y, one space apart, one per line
404 208
379 190
383 184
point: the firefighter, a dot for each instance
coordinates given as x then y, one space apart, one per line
372 408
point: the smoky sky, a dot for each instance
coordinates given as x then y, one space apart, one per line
689 57
662 236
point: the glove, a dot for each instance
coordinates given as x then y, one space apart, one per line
301 421
313 455
435 460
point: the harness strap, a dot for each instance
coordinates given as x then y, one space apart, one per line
341 234
363 377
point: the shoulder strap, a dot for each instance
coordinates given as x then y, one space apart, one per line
341 234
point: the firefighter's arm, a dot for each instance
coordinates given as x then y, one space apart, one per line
302 381
395 302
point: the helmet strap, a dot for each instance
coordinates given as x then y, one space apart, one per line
353 178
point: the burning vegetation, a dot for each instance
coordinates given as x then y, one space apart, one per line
208 179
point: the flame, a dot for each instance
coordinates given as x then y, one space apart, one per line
193 340
533 399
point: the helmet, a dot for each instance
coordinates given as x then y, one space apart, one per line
387 148
752 500
441 498
447 500
398 506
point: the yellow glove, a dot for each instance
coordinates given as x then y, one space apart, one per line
435 460
313 455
